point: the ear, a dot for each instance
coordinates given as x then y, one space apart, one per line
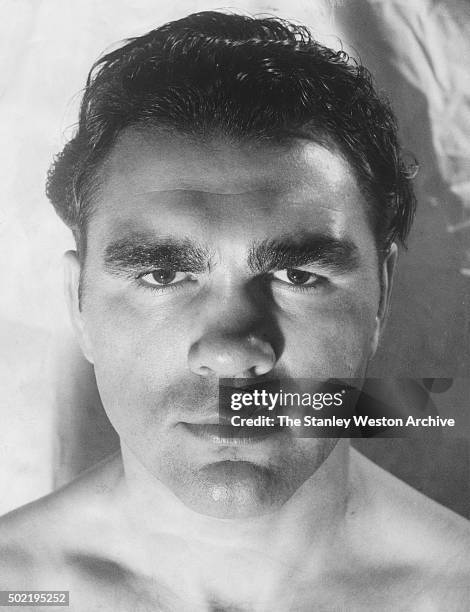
387 270
72 270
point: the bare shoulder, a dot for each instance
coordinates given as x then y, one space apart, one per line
35 537
404 529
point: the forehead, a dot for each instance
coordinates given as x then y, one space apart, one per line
171 183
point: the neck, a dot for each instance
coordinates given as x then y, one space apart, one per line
303 528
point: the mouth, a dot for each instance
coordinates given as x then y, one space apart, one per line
228 435
218 428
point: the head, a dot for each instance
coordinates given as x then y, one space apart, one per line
236 191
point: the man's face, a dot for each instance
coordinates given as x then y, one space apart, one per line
210 260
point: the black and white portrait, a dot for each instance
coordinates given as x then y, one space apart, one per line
206 208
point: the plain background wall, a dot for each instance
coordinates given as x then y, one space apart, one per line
52 424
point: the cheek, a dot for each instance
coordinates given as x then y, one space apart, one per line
136 349
331 341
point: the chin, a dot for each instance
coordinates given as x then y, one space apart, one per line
235 489
247 486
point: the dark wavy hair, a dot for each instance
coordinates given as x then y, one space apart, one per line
248 78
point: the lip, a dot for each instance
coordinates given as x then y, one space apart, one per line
228 435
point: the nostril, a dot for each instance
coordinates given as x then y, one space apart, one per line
231 356
203 371
260 370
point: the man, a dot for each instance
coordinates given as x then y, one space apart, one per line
236 193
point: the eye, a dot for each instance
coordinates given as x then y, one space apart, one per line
294 276
164 276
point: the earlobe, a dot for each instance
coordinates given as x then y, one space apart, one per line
72 274
387 271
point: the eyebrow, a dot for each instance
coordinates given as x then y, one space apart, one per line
333 254
139 252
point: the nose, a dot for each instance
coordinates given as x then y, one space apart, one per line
230 355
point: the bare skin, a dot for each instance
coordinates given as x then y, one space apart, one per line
210 260
390 549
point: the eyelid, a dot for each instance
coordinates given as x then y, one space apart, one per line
300 269
316 281
156 285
